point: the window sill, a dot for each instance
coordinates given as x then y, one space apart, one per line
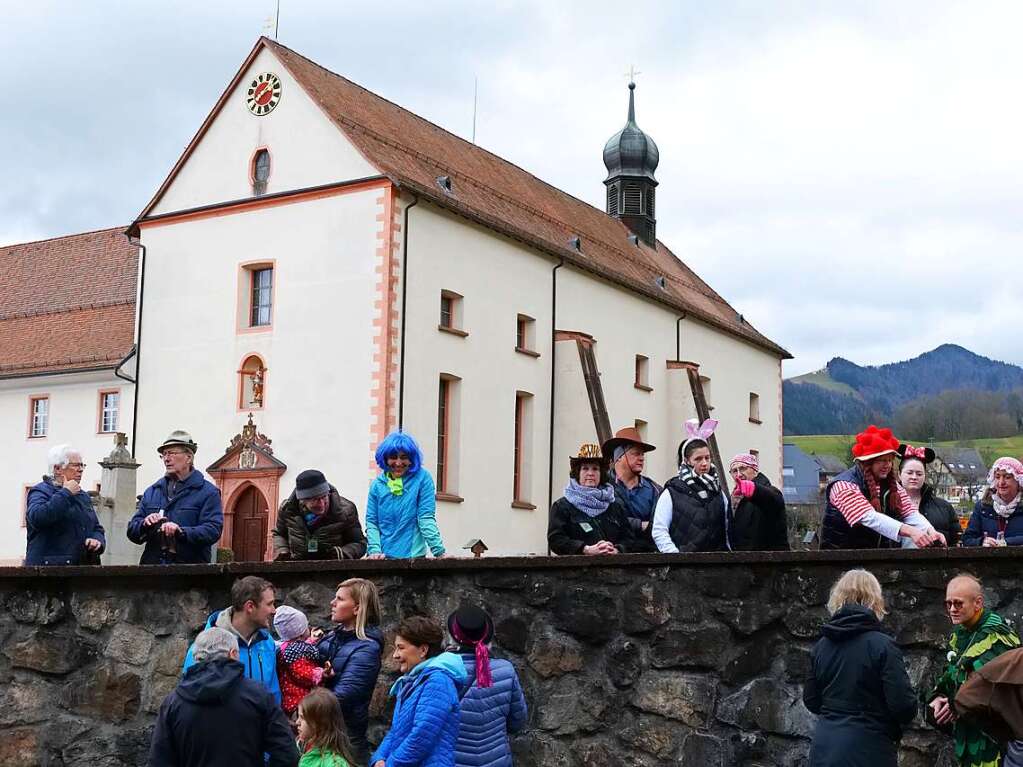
38 436
449 498
452 331
527 352
642 387
523 505
757 421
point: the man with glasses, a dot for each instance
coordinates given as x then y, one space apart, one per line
62 525
179 517
317 522
979 636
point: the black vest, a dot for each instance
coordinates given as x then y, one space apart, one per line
697 524
837 533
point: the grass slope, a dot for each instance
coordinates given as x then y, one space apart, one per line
823 380
839 444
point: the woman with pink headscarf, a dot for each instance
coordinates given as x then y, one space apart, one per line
760 522
997 519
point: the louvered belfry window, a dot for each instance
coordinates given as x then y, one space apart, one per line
612 200
633 203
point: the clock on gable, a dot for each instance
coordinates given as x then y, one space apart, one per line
264 94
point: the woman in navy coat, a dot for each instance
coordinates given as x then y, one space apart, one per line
997 519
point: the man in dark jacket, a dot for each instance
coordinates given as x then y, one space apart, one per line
760 522
316 522
62 525
217 717
179 517
635 493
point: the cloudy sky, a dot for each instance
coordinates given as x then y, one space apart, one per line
848 174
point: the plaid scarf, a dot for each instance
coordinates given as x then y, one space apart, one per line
703 485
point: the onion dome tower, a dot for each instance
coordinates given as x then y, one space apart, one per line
631 158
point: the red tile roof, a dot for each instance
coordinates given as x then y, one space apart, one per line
413 152
67 303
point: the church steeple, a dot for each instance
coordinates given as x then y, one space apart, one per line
631 158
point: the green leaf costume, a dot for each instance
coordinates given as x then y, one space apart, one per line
969 649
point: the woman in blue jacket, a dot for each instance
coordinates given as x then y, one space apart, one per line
401 510
61 523
353 649
997 519
424 728
492 703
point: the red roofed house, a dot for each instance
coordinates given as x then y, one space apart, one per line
337 266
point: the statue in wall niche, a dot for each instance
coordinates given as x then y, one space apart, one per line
257 387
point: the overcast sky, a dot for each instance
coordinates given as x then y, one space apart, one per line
849 175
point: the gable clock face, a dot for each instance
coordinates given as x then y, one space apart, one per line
264 94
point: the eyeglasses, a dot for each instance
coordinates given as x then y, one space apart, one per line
175 452
74 465
956 603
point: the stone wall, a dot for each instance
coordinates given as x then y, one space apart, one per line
643 660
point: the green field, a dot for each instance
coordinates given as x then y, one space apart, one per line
838 445
825 381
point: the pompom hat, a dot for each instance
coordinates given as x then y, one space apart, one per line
874 443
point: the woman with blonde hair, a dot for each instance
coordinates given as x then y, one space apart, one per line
858 687
353 649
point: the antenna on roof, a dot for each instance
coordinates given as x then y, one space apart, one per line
475 91
277 19
273 21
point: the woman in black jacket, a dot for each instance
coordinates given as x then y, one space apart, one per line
760 522
938 511
858 687
588 519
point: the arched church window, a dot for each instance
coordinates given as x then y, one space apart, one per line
251 383
260 171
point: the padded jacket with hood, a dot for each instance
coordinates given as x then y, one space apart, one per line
356 665
488 715
338 534
217 717
57 525
425 725
258 655
860 691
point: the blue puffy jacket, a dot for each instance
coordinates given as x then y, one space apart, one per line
258 655
984 521
424 728
356 665
488 714
196 509
58 524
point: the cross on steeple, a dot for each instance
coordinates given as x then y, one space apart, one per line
631 74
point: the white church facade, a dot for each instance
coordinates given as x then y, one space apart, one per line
337 267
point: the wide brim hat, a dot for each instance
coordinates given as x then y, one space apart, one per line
471 624
627 436
179 438
874 443
589 453
908 452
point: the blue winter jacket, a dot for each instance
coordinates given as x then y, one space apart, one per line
356 664
196 509
488 714
984 520
58 524
258 655
403 526
424 728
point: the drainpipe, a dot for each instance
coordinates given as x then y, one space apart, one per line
122 363
404 303
678 337
138 346
554 325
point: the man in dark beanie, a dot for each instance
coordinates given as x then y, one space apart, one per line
316 522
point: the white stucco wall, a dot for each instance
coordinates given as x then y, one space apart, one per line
306 149
74 411
319 353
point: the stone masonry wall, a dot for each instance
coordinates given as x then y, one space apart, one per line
695 661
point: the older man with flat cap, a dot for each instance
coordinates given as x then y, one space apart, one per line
179 517
636 493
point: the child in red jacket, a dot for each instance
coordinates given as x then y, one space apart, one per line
300 666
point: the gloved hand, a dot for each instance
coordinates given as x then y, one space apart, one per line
745 488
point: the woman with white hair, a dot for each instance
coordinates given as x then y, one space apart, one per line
858 686
62 525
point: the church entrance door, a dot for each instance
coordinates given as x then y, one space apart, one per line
250 526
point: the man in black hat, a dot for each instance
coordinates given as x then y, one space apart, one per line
317 522
636 493
179 517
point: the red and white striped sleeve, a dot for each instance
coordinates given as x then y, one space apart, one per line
906 506
849 500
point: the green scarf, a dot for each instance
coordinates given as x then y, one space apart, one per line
395 484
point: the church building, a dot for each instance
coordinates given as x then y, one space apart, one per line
321 267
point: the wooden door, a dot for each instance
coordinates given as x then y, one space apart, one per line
251 515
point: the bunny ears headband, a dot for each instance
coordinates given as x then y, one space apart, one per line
696 430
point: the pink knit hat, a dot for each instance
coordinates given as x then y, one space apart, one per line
746 459
1009 465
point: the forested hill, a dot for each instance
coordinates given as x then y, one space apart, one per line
844 397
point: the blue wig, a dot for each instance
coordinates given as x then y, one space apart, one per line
400 442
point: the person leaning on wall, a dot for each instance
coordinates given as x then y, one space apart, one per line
759 522
937 511
317 522
997 519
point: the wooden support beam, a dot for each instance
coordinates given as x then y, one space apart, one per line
702 411
594 391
